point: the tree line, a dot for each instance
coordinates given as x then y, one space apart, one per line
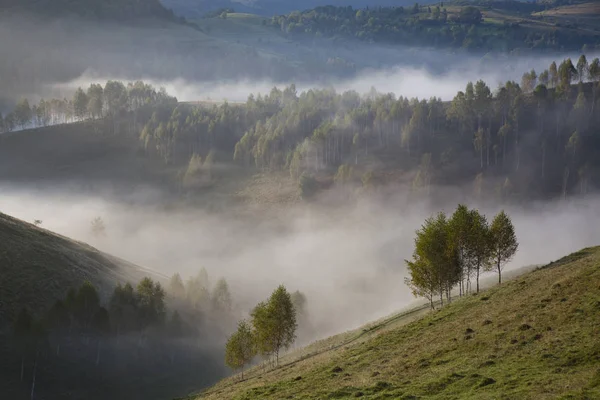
431 25
111 100
139 327
271 329
451 251
543 125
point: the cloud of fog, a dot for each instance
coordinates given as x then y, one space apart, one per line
348 262
410 81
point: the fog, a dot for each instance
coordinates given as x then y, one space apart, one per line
347 260
54 56
401 80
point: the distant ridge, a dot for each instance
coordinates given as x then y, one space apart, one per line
97 9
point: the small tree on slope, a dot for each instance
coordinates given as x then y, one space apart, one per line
240 348
504 243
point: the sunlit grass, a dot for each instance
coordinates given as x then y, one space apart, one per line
535 337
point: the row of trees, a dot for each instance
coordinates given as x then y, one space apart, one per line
427 26
272 328
134 330
111 100
198 295
449 252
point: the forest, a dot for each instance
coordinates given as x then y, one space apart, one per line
433 25
145 327
521 141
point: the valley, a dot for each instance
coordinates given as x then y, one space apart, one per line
354 199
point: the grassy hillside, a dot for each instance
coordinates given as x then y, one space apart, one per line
534 337
39 266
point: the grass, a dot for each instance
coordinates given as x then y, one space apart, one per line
534 337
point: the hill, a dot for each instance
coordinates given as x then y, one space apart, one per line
194 8
475 26
38 267
112 9
531 338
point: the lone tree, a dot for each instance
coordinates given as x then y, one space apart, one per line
240 348
504 243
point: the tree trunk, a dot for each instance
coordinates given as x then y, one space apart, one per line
504 149
22 367
34 372
543 158
98 354
499 273
478 267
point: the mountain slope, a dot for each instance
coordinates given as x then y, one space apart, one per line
117 9
38 267
532 338
193 8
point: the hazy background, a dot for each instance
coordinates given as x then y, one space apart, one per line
349 262
49 57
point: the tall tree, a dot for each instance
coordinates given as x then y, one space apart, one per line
176 287
221 297
582 68
80 104
23 332
504 243
240 348
275 323
479 248
23 113
95 95
460 227
151 302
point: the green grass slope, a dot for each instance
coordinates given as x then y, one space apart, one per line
535 337
37 267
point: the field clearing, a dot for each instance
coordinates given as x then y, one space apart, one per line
591 9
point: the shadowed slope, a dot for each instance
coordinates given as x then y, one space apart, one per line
38 267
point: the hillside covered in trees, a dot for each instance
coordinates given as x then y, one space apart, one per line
102 9
493 26
73 318
527 140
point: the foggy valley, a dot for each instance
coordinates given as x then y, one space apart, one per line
268 203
